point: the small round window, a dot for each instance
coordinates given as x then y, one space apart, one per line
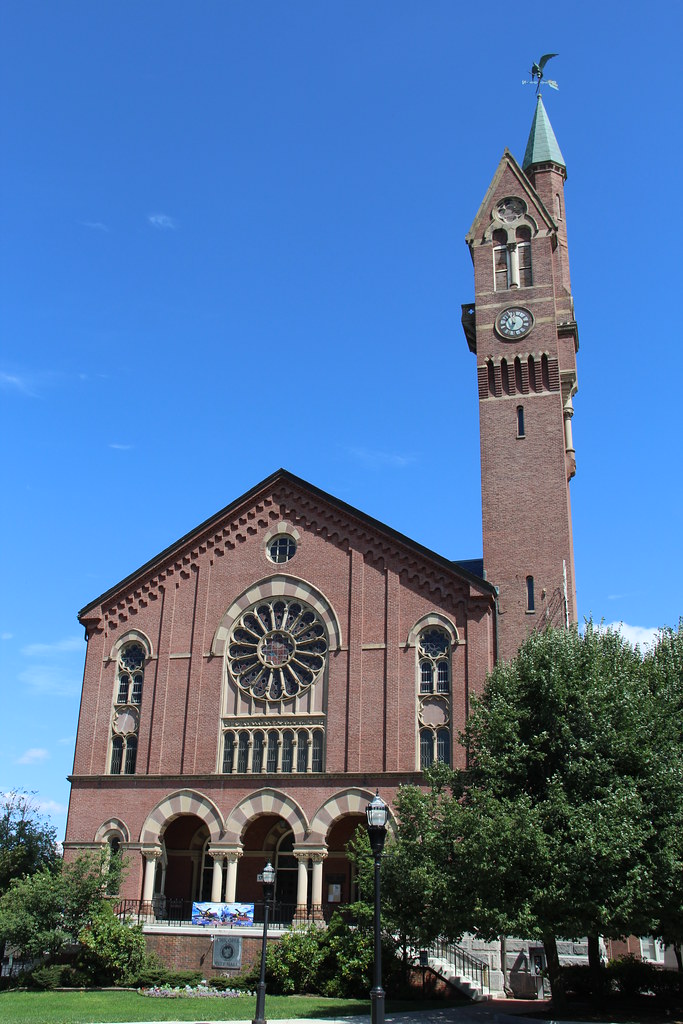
281 549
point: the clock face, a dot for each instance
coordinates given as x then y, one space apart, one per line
514 322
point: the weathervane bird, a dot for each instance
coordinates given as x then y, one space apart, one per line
537 73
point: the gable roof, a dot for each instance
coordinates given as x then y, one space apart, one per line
461 569
508 163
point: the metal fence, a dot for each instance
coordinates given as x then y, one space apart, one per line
167 910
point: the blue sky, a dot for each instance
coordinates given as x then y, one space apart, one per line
233 240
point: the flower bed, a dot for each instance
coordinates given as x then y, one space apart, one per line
202 990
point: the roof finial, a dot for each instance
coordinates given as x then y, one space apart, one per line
537 74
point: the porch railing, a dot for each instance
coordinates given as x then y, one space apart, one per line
171 911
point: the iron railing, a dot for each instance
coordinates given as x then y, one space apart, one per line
171 911
462 962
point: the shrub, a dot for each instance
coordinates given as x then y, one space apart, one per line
631 975
46 978
113 950
293 964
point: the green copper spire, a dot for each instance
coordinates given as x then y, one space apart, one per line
542 147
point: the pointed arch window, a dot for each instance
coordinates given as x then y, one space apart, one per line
287 751
302 751
426 748
228 752
243 752
501 261
257 752
271 761
130 675
523 236
317 751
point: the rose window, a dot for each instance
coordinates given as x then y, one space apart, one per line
277 649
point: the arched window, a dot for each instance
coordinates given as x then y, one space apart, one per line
523 236
426 748
505 376
302 751
116 755
443 677
271 762
533 383
443 746
228 752
545 372
519 384
287 751
520 421
426 677
530 601
501 261
257 752
243 752
317 751
131 755
130 673
491 373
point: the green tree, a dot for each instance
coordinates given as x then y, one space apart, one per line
44 912
113 950
664 671
27 840
562 762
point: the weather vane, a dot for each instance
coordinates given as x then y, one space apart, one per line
537 76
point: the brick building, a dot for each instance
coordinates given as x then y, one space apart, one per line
247 689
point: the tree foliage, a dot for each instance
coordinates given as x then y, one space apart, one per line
568 823
28 843
43 913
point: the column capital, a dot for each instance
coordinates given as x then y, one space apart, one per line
151 852
232 851
316 853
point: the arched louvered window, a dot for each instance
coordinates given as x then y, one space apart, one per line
302 751
228 752
271 762
317 751
443 746
257 752
287 751
243 752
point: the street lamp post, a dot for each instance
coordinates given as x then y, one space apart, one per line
377 814
268 879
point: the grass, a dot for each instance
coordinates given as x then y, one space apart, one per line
103 1007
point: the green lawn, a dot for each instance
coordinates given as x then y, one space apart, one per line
89 1007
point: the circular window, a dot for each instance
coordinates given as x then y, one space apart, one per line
277 649
282 548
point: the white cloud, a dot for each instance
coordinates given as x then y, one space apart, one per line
120 447
34 755
376 458
54 669
51 807
69 643
161 220
6 636
13 382
94 225
643 636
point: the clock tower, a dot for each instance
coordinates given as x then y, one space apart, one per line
521 328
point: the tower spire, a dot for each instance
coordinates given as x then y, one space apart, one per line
542 146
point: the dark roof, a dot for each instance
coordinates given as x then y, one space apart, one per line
467 569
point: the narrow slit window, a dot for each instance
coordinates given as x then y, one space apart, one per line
530 603
520 421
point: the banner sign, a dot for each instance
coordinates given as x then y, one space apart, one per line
229 915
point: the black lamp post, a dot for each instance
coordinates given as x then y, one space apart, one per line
268 879
377 814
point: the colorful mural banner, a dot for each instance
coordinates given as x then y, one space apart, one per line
229 915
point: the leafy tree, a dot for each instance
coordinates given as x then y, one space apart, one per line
114 951
562 736
664 671
27 841
44 912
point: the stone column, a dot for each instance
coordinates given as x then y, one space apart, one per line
514 264
317 856
232 857
151 855
217 876
301 884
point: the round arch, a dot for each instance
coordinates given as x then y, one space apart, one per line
128 637
267 801
113 827
433 619
347 801
279 585
185 801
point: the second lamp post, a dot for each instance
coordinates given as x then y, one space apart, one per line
377 814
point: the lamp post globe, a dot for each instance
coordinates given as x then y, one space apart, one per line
377 814
267 877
